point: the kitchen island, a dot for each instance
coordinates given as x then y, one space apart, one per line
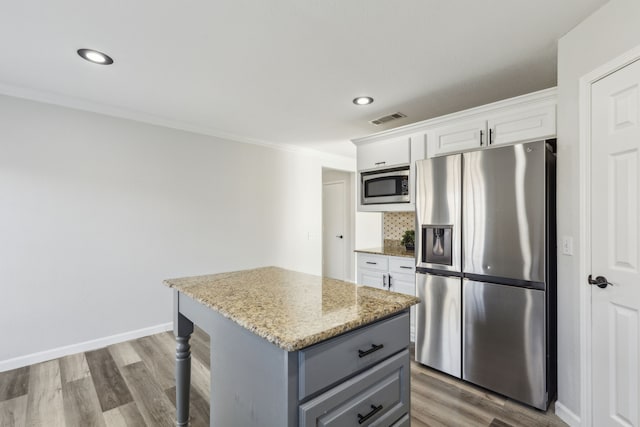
291 349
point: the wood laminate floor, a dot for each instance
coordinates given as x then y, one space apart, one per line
132 384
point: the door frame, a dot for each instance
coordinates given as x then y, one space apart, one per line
345 221
584 262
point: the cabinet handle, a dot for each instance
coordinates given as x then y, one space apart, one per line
404 266
374 348
380 163
490 136
481 134
373 263
389 282
374 410
384 280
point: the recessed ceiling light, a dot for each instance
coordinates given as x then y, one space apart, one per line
95 56
363 100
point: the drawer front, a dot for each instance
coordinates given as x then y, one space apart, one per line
373 262
402 265
377 397
403 422
327 363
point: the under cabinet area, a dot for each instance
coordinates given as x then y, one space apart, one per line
396 274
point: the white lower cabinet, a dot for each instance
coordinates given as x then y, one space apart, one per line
397 274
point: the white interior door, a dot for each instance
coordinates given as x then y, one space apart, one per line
615 241
333 230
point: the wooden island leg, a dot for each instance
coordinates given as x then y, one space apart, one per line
183 328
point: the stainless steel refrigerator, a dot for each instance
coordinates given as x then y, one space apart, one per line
485 253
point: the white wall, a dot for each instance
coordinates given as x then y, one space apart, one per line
606 34
96 211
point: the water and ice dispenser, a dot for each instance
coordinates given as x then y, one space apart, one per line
437 244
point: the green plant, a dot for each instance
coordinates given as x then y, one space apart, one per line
408 238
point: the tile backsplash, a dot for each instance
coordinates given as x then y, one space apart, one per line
394 224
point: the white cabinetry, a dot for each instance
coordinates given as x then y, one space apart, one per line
462 135
396 274
524 125
516 122
385 154
389 152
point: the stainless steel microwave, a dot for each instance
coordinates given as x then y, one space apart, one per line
385 186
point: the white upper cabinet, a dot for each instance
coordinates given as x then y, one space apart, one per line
525 125
462 135
384 154
522 119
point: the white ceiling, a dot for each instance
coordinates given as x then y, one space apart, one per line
283 71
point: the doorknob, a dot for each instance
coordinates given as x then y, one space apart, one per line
599 281
340 236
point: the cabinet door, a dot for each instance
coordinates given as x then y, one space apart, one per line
384 154
405 284
460 136
375 279
524 125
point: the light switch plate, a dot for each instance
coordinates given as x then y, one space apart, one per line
567 245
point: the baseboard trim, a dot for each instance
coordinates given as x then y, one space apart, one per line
566 415
43 356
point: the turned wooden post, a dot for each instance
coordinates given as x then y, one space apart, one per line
183 328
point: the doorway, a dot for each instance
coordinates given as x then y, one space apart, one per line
611 305
338 209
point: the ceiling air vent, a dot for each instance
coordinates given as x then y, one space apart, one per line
385 119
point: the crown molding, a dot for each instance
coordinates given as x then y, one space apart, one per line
122 113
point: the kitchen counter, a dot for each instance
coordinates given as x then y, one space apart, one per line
290 309
292 349
389 250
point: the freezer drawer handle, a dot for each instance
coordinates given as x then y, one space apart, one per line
374 410
599 281
374 348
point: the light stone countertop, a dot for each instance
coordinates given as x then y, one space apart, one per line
390 250
290 309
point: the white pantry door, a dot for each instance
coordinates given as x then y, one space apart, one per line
333 228
615 252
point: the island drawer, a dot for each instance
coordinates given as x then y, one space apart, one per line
377 397
326 363
403 422
373 262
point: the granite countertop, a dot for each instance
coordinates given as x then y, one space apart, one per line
290 309
391 250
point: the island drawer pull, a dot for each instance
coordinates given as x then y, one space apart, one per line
374 348
370 262
374 410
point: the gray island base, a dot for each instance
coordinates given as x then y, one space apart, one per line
302 351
